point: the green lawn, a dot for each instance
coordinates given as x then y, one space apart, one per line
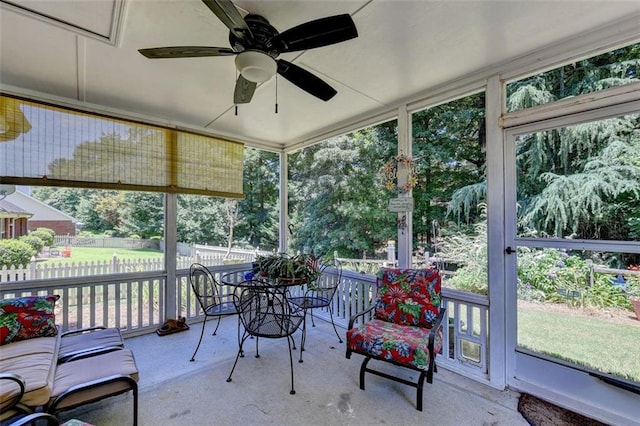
598 344
85 254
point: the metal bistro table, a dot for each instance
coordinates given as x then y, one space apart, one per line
246 280
265 312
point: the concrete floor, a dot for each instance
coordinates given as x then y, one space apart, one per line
174 391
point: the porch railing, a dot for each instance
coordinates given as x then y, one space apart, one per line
134 302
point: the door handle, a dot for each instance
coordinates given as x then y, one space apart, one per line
509 250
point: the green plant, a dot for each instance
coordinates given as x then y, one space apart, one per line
50 235
553 275
468 251
15 253
34 241
45 236
280 265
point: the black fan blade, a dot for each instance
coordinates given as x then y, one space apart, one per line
185 52
229 15
305 80
243 91
318 33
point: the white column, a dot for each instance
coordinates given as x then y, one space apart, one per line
495 102
284 203
405 234
170 254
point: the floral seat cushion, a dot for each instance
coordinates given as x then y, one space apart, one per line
408 296
406 345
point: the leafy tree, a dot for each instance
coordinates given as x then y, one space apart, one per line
257 218
143 214
337 202
447 147
200 220
109 208
63 199
581 181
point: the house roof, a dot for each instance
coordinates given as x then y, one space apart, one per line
38 210
8 209
86 54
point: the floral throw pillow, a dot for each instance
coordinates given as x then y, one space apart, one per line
23 318
408 296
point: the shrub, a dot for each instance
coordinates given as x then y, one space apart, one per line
468 251
34 241
48 231
15 253
553 275
46 237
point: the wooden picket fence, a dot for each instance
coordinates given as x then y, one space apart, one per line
41 271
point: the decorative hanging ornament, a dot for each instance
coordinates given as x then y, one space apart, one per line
388 174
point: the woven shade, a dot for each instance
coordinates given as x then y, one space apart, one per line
12 121
51 146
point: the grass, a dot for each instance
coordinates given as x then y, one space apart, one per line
600 345
91 254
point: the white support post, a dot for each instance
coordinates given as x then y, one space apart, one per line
284 203
170 254
495 106
405 219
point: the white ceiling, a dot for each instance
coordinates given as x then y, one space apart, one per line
87 51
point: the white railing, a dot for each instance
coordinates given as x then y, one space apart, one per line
135 302
132 302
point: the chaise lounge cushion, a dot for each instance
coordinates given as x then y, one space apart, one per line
67 375
77 341
34 360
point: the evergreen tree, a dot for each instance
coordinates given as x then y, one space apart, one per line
337 202
447 147
142 215
257 224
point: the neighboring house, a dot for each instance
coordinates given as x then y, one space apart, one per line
13 220
21 213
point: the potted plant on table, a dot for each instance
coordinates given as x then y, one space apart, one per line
302 268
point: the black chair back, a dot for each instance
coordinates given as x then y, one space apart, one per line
206 289
264 312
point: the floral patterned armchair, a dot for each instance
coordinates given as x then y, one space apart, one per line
406 328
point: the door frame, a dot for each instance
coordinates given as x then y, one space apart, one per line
562 383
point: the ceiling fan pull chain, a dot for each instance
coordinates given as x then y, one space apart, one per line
236 110
276 93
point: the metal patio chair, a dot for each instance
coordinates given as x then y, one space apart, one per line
406 328
214 303
319 295
265 312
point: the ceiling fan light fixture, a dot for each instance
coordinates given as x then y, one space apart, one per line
256 66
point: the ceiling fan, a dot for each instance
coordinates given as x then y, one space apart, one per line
257 44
